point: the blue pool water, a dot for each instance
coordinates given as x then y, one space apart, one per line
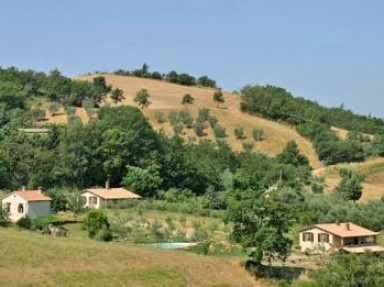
173 245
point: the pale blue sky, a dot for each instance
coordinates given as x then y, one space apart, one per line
331 51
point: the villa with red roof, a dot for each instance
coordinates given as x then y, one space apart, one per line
105 197
21 203
330 237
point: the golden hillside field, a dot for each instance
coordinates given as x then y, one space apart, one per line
373 186
31 259
166 97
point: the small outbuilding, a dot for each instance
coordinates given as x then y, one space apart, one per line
330 237
21 203
107 196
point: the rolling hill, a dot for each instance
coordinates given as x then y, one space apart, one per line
166 97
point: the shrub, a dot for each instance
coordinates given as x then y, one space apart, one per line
96 221
177 128
186 118
248 146
203 115
212 121
24 222
105 234
258 134
219 131
173 117
239 133
40 222
160 118
199 128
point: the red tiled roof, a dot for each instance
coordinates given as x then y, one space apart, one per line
346 229
31 195
113 193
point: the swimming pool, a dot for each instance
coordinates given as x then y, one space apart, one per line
173 245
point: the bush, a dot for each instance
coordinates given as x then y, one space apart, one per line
96 222
40 222
212 121
186 118
199 128
160 118
105 234
239 133
248 146
203 115
173 117
258 134
24 222
219 131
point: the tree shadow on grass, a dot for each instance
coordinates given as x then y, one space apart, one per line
277 272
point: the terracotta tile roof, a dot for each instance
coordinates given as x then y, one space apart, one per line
30 195
363 249
113 193
343 230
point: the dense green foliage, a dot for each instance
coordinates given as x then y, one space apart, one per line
314 121
277 103
97 225
350 270
172 77
261 220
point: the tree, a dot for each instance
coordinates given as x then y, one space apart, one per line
291 155
117 95
350 270
204 81
350 187
187 100
260 224
218 97
101 84
96 222
144 181
142 98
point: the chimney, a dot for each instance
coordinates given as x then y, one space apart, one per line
23 188
40 189
107 183
347 226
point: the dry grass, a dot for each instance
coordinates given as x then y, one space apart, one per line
373 186
31 259
166 97
343 134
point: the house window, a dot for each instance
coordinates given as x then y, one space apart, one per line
368 240
323 237
20 208
92 200
7 208
307 236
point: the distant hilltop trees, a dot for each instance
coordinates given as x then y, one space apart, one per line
172 77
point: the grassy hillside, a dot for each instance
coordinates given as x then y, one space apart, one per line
166 97
31 259
373 186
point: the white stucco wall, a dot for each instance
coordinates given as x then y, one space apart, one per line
32 208
315 245
14 214
88 195
38 208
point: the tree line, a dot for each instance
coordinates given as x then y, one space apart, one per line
173 77
314 122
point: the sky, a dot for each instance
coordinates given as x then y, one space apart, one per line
330 51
